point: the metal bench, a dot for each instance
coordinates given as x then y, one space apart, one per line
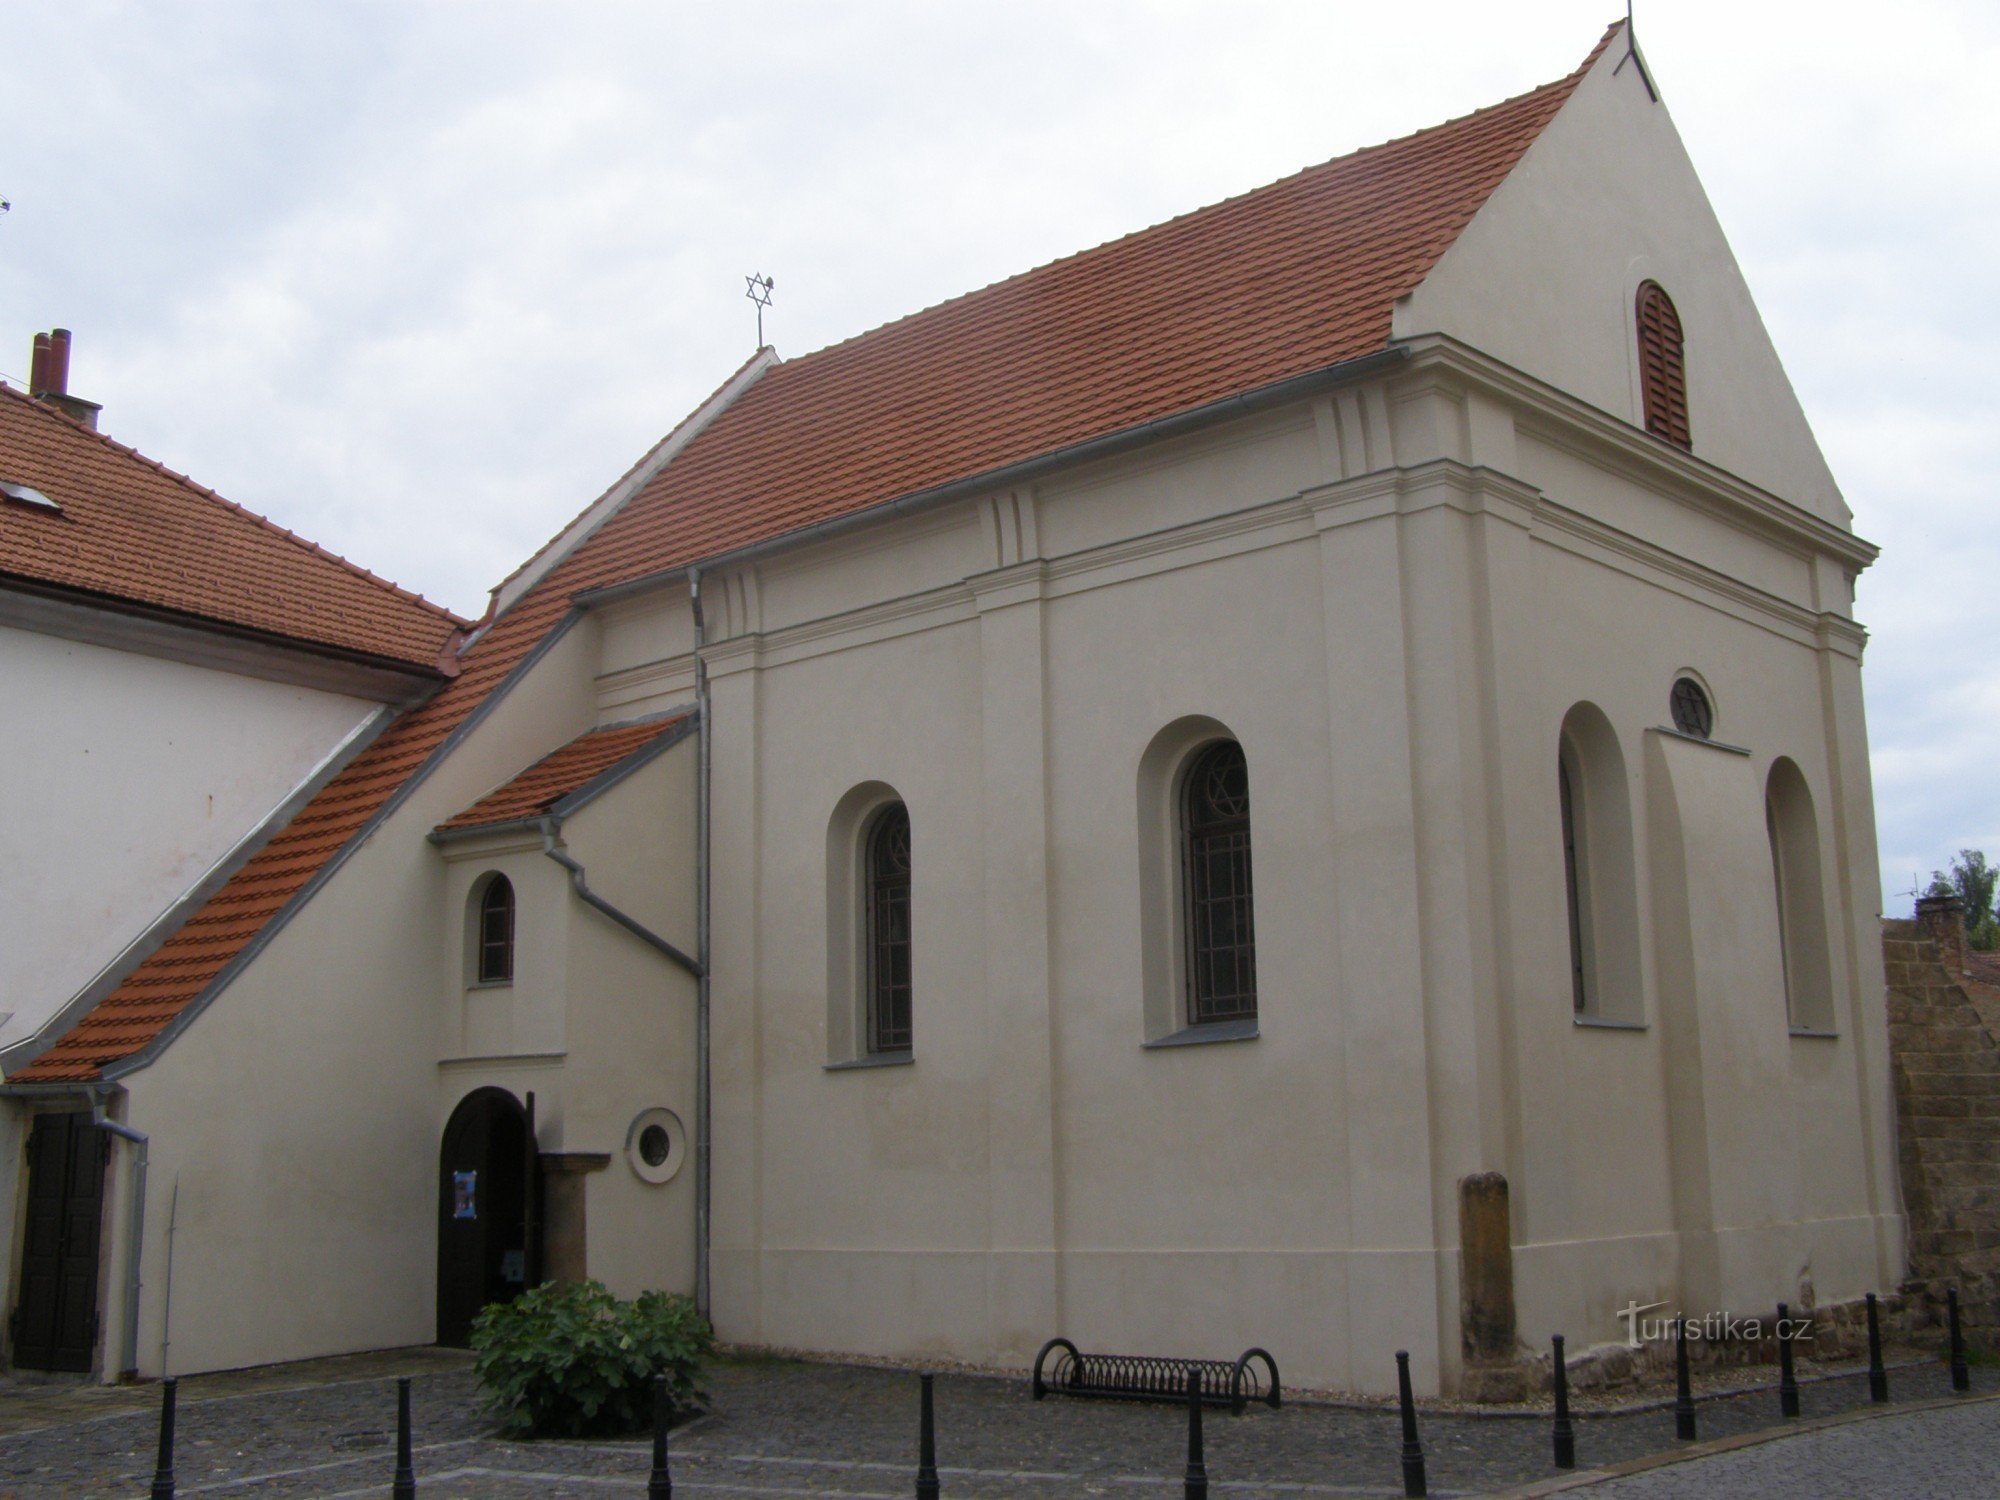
1141 1377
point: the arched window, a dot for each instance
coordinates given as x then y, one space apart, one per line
1582 976
887 934
1662 369
1215 840
1600 893
493 940
1795 879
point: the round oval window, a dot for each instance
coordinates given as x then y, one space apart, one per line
1692 714
656 1144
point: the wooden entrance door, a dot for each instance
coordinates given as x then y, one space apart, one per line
486 1176
55 1324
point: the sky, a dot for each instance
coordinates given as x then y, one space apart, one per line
420 278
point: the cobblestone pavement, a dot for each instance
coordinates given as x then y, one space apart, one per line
1927 1455
790 1428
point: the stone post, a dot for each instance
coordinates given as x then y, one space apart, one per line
564 1241
1486 1289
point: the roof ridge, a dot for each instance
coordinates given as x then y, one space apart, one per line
197 487
1568 80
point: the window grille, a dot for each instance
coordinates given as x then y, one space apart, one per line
496 931
889 931
1578 980
1222 946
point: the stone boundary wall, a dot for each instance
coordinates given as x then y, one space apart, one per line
1946 1065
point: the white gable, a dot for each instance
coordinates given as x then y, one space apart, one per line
1545 277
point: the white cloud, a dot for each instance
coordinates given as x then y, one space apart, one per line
419 280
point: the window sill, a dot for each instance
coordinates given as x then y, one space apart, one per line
1814 1034
873 1060
1606 1023
1695 739
491 984
1244 1030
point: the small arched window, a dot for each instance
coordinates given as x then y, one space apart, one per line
1582 970
1795 877
1662 368
1215 843
887 932
1599 893
493 941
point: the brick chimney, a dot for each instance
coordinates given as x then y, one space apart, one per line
1942 919
48 378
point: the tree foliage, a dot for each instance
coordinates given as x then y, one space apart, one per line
1973 881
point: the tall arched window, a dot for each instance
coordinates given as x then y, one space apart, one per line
888 930
493 942
1582 976
1599 891
1662 369
1215 840
1795 878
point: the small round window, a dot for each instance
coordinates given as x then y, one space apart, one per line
656 1145
1692 714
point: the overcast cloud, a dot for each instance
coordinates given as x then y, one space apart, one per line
420 280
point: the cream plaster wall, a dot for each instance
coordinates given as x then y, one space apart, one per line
300 1113
1545 277
1396 652
128 777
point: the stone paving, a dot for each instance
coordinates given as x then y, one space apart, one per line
791 1428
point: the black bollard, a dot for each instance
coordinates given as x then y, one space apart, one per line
405 1487
1413 1449
927 1480
1683 1388
660 1483
1788 1384
1878 1378
1565 1435
1196 1486
1961 1377
163 1471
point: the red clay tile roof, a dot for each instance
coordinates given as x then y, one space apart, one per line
1983 967
1283 281
132 532
538 789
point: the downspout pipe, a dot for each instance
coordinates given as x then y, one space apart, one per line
135 1229
596 902
704 761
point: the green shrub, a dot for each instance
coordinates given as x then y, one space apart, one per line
570 1360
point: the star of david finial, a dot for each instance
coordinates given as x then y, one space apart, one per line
758 290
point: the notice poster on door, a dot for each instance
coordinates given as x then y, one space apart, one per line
465 1195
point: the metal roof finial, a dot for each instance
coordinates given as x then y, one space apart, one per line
758 290
1632 56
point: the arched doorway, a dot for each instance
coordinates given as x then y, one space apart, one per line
488 1244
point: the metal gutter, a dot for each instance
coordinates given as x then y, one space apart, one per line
704 950
1263 398
550 828
135 1227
